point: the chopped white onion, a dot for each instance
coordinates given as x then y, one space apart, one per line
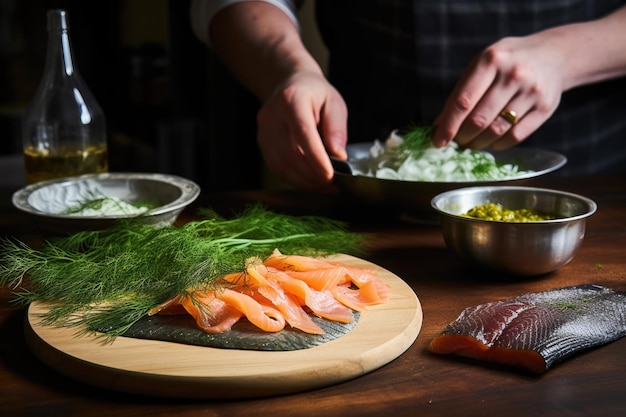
448 164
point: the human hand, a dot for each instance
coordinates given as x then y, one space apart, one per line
298 126
520 74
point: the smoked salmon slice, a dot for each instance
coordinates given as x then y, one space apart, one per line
321 303
282 290
289 306
534 331
211 314
359 299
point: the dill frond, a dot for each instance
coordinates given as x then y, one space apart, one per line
107 280
416 140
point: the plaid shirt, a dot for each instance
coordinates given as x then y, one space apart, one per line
396 61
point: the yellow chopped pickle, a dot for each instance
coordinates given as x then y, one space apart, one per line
495 212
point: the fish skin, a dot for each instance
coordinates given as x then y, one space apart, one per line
536 330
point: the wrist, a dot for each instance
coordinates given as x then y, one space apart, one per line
591 52
261 45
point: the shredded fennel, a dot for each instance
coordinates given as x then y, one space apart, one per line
412 157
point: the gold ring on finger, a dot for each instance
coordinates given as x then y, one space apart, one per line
510 116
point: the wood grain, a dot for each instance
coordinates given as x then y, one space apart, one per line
417 383
176 370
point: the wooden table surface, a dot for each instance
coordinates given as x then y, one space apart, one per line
417 383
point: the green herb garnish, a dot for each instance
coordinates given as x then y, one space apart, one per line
570 305
416 140
108 206
415 158
107 280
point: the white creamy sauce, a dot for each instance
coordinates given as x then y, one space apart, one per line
108 206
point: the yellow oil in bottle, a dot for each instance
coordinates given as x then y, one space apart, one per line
40 166
64 128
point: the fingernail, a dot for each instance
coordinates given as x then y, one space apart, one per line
438 141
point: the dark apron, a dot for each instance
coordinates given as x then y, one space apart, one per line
396 61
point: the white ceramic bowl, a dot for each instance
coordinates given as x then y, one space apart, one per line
50 202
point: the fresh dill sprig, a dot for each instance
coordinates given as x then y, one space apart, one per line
578 305
107 280
417 144
416 140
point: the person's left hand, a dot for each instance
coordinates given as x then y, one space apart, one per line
521 75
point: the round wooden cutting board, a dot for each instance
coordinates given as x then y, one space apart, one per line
167 369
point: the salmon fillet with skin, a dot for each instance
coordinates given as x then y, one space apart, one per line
535 331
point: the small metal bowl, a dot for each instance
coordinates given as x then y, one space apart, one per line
526 249
48 201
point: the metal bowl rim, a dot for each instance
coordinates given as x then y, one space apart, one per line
559 161
189 192
591 205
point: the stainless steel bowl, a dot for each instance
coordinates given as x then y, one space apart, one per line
413 198
48 201
532 248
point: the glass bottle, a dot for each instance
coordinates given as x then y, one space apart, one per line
64 129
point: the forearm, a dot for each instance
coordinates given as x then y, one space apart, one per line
261 46
592 51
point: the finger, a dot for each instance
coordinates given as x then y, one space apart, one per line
306 137
505 121
299 158
290 167
464 97
496 131
486 120
283 157
502 94
523 129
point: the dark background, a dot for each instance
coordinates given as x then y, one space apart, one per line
170 105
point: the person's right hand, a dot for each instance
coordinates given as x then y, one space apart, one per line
299 125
